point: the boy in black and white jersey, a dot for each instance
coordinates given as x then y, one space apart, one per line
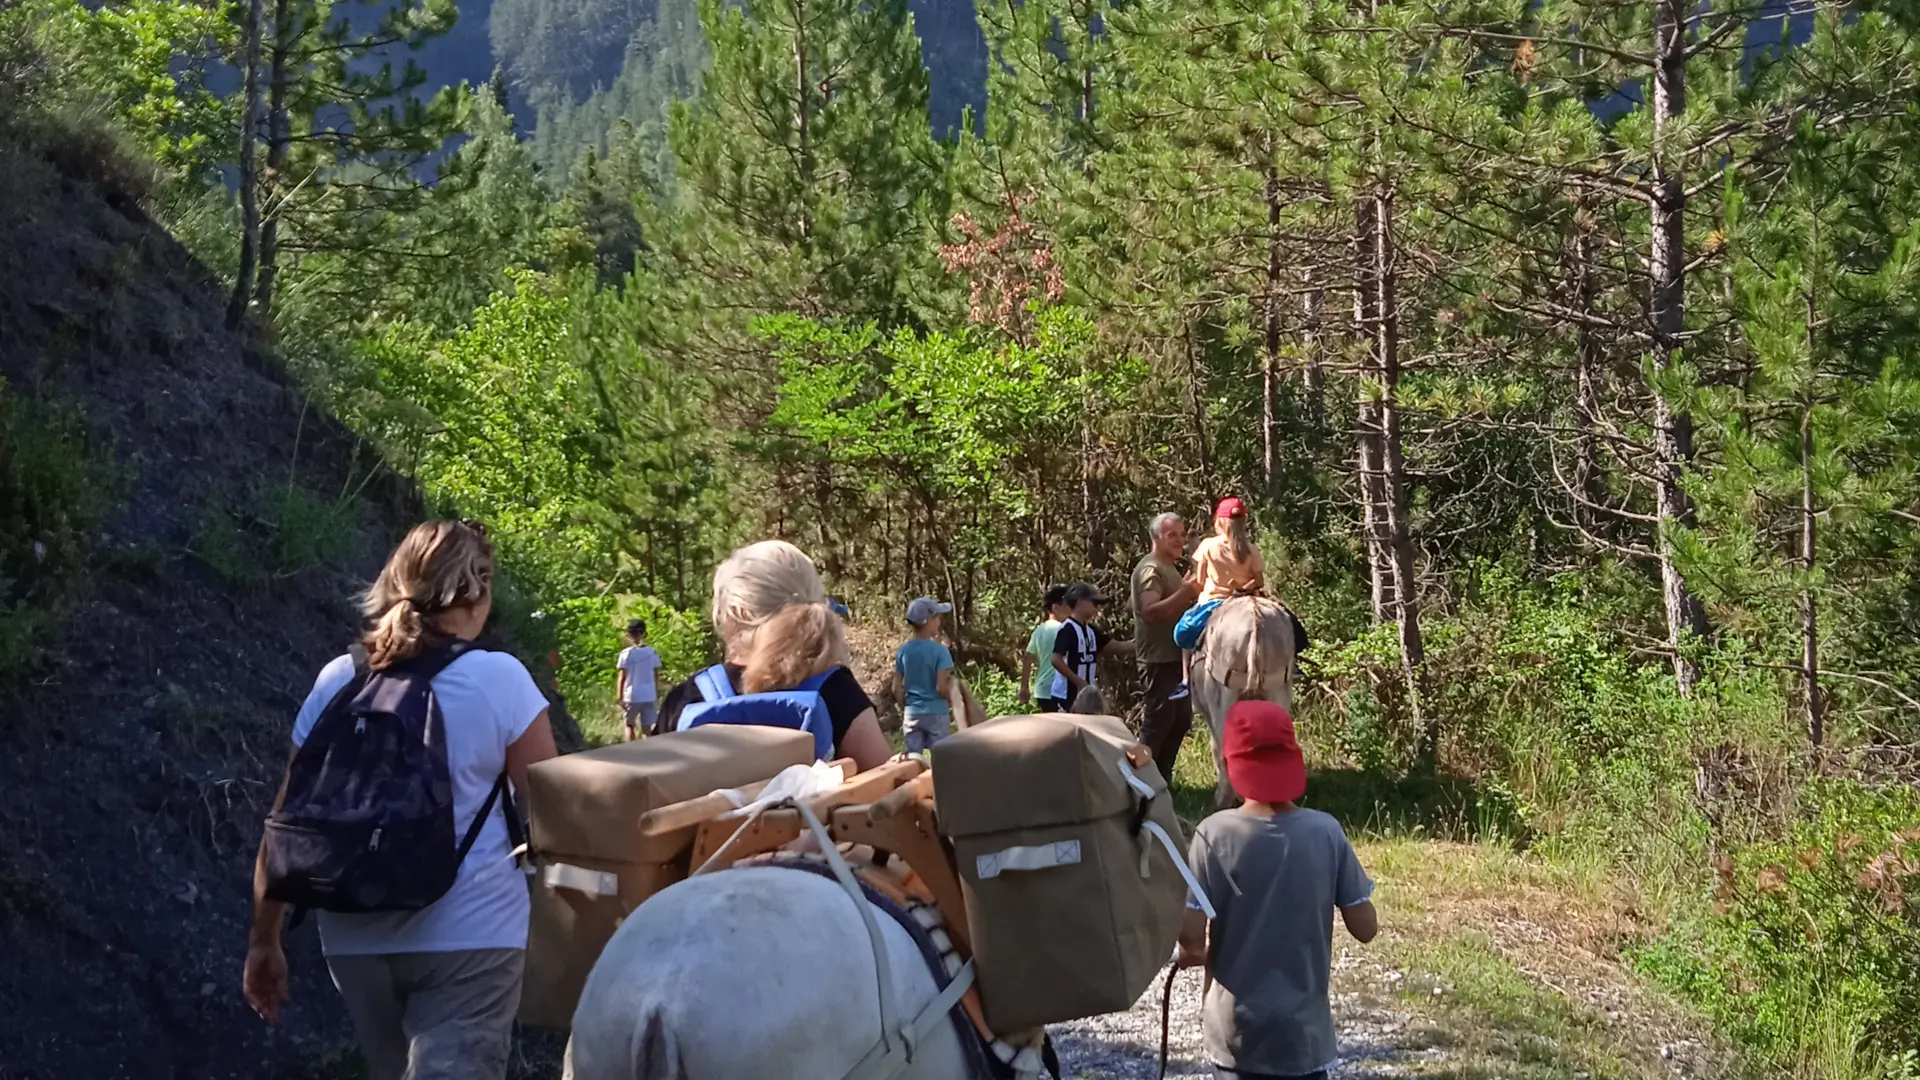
1079 646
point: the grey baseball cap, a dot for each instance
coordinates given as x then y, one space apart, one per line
924 608
1080 590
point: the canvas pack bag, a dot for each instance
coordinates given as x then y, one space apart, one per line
591 867
1073 897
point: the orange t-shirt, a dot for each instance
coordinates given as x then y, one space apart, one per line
1221 575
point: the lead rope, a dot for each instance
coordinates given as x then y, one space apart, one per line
1166 1015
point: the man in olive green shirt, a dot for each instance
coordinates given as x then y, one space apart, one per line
1160 595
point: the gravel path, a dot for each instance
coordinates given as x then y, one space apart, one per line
1377 1039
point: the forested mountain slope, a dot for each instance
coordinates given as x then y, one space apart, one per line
578 68
214 526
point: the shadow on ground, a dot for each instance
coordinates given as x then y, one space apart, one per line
1374 804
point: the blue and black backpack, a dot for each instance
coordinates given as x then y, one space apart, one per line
802 708
366 823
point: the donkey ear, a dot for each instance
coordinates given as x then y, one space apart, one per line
1090 702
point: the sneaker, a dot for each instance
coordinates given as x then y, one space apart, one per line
1178 692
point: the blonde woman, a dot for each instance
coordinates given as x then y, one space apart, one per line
779 628
432 990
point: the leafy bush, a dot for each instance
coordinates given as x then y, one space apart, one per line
996 691
1810 951
307 530
291 530
53 491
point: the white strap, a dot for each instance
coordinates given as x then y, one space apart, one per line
1145 791
883 1064
1034 857
889 1010
580 879
1180 864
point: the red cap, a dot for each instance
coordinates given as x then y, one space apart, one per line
1230 507
1264 762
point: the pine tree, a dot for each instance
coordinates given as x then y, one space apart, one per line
806 167
347 144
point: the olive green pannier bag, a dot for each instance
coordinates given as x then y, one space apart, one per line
1067 854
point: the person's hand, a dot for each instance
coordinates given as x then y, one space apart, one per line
1026 696
265 980
1190 958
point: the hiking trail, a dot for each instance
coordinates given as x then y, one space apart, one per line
1488 964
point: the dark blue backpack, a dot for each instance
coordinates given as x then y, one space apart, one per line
366 823
802 708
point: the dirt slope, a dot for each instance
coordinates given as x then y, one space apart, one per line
136 761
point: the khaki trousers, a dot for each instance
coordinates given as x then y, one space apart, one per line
433 1015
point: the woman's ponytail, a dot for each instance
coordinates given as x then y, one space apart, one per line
441 565
799 642
1239 537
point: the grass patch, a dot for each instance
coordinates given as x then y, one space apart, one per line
291 531
54 488
1514 961
1497 1023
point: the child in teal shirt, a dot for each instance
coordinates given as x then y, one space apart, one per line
922 672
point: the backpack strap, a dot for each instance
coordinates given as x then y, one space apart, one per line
502 793
815 682
715 684
435 660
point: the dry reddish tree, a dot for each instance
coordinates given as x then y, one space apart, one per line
1006 270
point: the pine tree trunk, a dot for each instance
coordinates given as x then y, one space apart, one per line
1672 428
1589 358
1371 448
803 121
279 141
1812 702
1270 353
1196 397
1313 303
824 549
1399 539
249 182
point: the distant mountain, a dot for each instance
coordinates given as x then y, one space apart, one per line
576 68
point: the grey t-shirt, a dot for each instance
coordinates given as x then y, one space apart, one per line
1274 883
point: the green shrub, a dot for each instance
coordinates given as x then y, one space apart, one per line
290 531
306 530
54 488
996 691
1810 950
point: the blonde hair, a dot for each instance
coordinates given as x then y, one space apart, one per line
756 583
440 566
800 642
1239 535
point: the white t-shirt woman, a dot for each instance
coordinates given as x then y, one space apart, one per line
488 701
432 992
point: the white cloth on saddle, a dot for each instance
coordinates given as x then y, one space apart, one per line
793 782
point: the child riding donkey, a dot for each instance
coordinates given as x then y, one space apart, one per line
1225 565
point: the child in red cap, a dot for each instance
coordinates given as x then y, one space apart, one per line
1225 564
1276 872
